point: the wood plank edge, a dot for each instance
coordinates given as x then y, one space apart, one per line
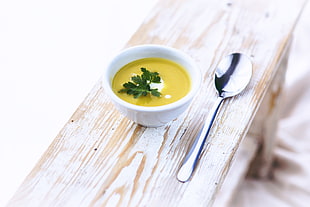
240 166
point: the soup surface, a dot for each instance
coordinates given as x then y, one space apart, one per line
175 81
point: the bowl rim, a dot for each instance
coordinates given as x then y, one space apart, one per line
195 84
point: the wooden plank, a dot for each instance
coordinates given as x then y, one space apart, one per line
265 124
100 158
238 171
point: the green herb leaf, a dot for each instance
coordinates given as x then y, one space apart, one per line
155 92
140 85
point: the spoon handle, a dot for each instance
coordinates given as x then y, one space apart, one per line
190 161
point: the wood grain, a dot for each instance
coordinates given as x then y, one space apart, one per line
100 158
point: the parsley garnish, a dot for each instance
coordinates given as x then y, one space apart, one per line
140 85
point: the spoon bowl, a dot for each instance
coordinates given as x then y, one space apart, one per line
232 75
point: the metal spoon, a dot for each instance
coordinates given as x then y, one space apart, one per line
232 75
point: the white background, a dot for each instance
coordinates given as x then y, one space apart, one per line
51 55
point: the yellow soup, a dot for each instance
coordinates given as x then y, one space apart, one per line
175 81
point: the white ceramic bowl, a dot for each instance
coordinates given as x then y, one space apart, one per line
157 115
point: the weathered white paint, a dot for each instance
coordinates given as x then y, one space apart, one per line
100 158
